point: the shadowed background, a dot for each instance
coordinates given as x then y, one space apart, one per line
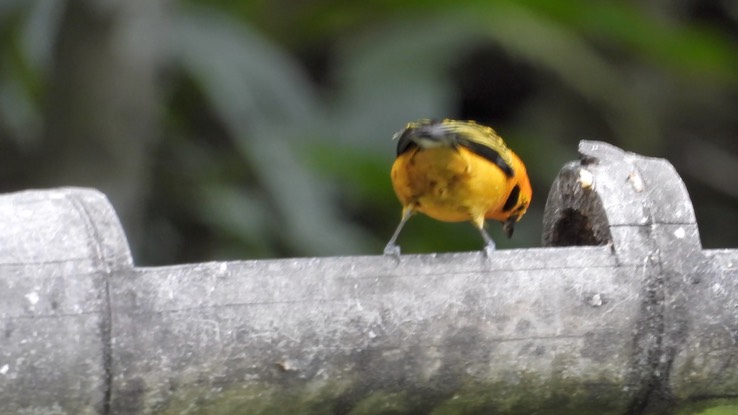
234 130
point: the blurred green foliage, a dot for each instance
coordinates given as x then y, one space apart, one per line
275 134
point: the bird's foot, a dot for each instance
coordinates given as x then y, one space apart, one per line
489 249
392 250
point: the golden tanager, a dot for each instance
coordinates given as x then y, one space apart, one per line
456 171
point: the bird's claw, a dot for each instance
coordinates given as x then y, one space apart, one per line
392 250
489 249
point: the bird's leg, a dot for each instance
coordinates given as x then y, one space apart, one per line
392 248
489 243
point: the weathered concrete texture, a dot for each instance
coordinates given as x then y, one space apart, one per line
642 321
429 329
706 362
641 208
56 250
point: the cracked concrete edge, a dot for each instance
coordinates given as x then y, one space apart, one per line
640 206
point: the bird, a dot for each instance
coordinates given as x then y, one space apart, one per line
456 171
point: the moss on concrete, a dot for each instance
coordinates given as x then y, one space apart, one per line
710 407
384 403
311 399
522 394
555 397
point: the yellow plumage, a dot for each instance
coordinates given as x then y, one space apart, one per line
456 171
